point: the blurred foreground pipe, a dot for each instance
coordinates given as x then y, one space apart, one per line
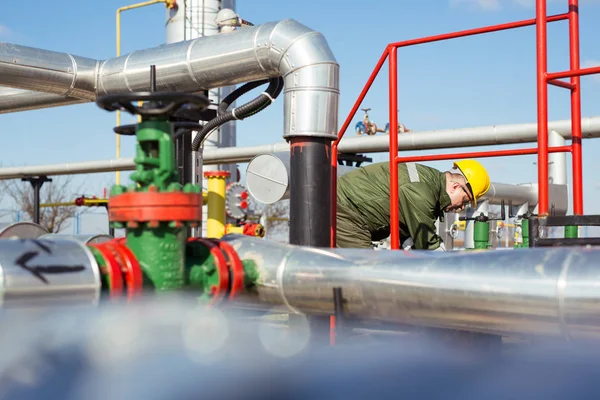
550 292
43 273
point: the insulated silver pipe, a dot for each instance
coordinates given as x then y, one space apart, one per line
550 292
285 48
490 135
424 140
84 167
517 193
64 74
41 273
557 162
13 100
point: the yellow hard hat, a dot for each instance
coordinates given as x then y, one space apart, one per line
478 180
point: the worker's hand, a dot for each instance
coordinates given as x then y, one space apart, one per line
441 248
407 244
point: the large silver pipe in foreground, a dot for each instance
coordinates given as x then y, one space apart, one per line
42 273
551 292
286 48
491 135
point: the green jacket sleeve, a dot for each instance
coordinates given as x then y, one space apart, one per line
418 214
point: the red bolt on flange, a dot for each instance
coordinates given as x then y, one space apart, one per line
235 265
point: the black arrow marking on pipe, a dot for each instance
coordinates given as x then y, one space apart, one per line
43 246
39 270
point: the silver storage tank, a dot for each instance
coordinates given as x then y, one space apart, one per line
86 239
21 230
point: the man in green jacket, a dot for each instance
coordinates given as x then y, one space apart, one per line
425 193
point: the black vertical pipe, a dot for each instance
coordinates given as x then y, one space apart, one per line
183 157
534 231
153 78
36 202
36 183
310 191
310 209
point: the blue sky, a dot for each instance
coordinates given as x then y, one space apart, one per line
473 81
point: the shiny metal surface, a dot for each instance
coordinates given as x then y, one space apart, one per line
528 193
557 162
40 70
423 140
85 239
285 48
21 230
41 273
14 100
501 134
86 167
551 292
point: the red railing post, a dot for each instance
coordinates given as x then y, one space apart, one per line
334 147
542 105
394 206
576 138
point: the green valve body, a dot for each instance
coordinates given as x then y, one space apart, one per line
161 254
202 271
525 232
159 246
571 232
481 235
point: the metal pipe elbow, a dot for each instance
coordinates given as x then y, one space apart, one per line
311 75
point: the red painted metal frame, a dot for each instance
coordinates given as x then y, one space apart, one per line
543 80
576 157
482 154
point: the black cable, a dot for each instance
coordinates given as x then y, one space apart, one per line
251 108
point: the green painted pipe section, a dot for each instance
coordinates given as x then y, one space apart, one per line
571 232
202 270
481 235
525 230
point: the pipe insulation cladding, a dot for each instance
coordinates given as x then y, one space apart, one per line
45 273
14 100
544 291
478 136
285 48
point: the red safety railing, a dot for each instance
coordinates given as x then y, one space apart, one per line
543 79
